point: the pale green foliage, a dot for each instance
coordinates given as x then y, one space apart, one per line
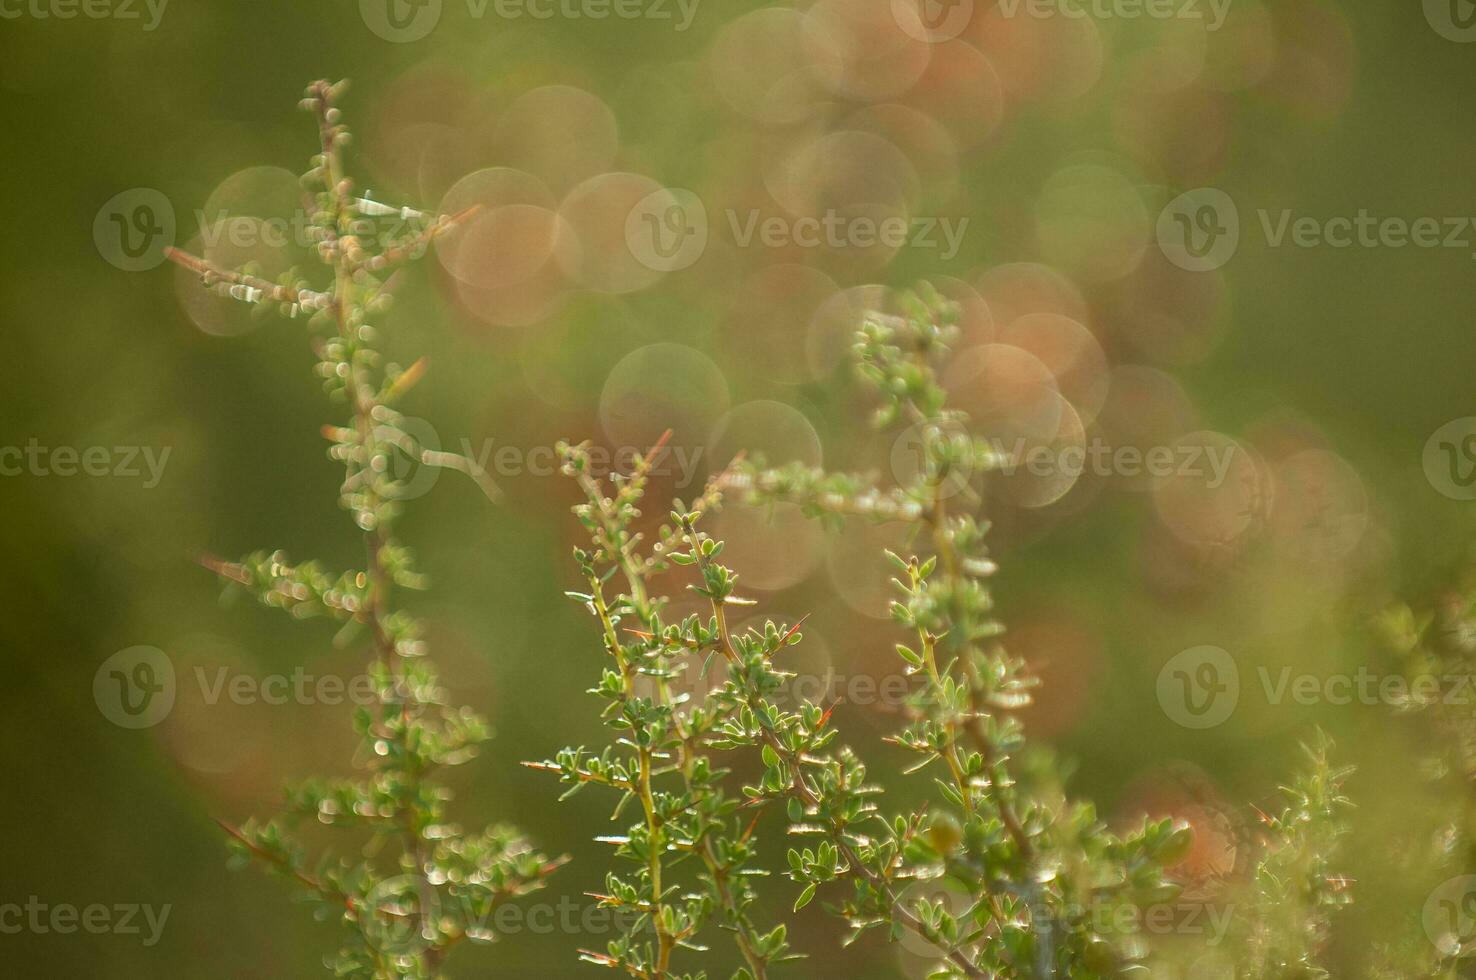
1433 647
1031 865
1294 887
426 884
661 759
1038 879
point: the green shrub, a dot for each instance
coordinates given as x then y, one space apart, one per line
1024 878
431 885
1017 879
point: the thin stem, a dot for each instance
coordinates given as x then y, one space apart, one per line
286 867
308 299
948 558
372 517
807 795
950 755
619 545
665 941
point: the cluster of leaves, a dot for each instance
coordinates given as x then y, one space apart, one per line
1285 910
1027 866
420 884
1001 874
1432 645
662 755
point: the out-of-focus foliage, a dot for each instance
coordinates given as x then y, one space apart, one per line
1321 371
434 885
993 877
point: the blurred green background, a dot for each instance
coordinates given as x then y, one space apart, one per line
1059 140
